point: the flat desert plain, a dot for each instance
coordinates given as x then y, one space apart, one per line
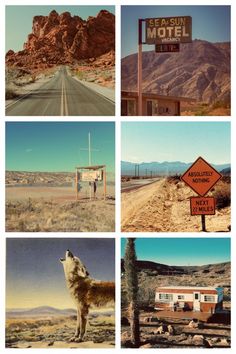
164 205
55 331
51 205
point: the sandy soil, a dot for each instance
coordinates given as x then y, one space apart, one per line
56 209
163 207
55 332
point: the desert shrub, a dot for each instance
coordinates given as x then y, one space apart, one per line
80 75
33 78
22 226
174 179
220 104
222 196
201 111
10 94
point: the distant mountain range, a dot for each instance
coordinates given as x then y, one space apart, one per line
201 70
40 311
164 269
164 168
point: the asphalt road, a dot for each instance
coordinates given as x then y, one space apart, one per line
61 96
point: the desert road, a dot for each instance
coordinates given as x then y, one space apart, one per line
61 96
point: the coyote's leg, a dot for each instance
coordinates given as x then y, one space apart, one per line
76 336
83 321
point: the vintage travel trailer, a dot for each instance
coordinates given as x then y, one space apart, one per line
189 298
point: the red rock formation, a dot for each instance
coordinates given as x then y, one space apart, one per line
65 39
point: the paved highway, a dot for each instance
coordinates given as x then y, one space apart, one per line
61 96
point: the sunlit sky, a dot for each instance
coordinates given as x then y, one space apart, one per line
35 276
175 141
181 251
21 17
58 146
211 23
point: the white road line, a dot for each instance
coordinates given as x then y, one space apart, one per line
64 105
62 98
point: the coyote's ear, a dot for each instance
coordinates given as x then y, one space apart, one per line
62 260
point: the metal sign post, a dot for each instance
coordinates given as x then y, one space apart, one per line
140 68
90 159
203 218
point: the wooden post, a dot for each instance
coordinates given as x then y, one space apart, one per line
104 183
203 217
140 79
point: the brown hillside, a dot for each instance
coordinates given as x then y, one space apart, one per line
201 70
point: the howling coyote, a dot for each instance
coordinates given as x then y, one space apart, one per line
85 291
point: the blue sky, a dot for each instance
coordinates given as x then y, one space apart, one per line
56 146
181 251
211 23
175 141
19 20
35 276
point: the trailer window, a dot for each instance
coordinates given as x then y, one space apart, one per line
180 297
166 297
209 298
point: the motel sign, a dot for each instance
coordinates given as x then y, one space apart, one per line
169 30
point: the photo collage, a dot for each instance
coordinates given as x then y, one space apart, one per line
116 175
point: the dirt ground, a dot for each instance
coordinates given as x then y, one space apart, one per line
56 209
209 335
55 332
164 206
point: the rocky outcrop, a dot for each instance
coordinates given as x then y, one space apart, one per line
65 39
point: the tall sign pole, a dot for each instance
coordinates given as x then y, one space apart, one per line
90 159
140 78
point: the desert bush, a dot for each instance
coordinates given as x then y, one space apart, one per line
223 196
202 111
22 226
80 75
221 104
10 94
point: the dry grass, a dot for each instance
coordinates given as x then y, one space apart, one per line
39 215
